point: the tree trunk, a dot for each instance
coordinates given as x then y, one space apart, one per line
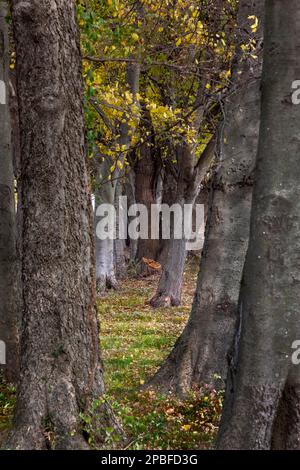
146 174
130 194
105 264
186 186
61 375
169 189
200 354
169 288
120 249
262 404
9 265
170 284
105 193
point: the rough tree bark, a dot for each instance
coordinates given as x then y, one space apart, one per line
262 404
200 353
61 373
9 265
187 186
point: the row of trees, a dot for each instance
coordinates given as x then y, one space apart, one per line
143 117
153 88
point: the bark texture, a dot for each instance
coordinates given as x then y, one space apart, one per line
9 265
200 354
61 373
262 404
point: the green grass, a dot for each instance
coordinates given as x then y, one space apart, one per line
135 340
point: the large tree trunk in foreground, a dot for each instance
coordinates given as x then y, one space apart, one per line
262 404
61 373
200 354
9 315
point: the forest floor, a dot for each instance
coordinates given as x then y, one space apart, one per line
135 339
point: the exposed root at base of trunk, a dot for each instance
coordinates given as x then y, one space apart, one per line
107 283
166 381
27 438
48 436
164 300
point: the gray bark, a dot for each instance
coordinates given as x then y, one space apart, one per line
200 354
106 193
105 265
9 265
262 404
61 372
120 249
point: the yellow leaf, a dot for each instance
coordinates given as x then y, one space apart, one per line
186 427
135 37
255 24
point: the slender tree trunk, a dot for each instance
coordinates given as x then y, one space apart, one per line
61 375
187 184
200 354
105 193
262 404
169 189
169 288
130 194
9 265
120 250
170 284
146 174
105 264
